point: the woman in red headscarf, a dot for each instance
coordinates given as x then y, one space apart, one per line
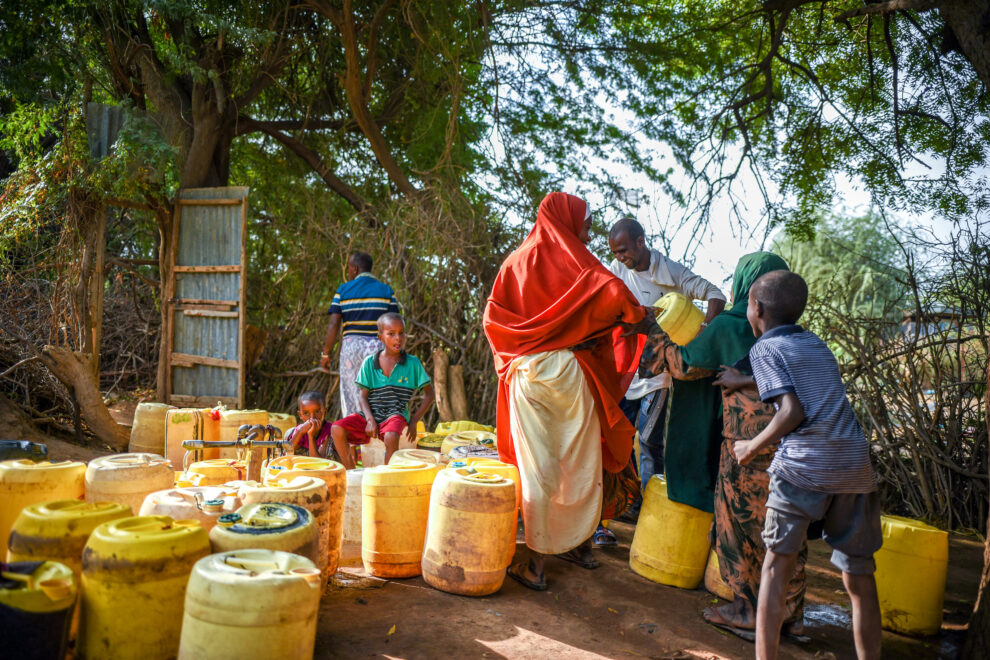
554 322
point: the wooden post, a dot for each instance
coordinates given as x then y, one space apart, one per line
458 397
95 293
440 364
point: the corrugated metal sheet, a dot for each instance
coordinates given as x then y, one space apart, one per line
209 235
102 126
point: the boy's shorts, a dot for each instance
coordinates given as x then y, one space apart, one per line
852 523
355 425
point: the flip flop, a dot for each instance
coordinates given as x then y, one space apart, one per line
515 573
713 617
799 637
604 537
575 558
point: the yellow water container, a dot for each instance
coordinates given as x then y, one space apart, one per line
231 420
911 569
430 442
713 579
507 470
36 605
127 478
446 428
216 471
282 422
135 572
394 509
269 526
330 471
24 482
373 453
418 456
190 424
204 504
251 605
471 533
148 429
680 318
467 438
350 549
670 545
187 479
312 494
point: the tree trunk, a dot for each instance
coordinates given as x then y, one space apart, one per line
458 397
978 638
440 364
969 20
75 371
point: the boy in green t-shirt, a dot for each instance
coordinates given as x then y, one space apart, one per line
387 380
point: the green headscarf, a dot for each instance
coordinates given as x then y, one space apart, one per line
728 337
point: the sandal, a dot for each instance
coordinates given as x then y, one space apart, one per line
517 573
714 617
574 556
603 537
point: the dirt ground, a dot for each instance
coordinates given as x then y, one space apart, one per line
607 613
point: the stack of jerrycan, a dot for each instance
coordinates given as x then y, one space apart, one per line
204 504
127 478
680 318
471 533
911 570
135 572
395 507
36 603
190 424
57 531
350 549
148 429
670 544
310 493
251 605
269 526
23 482
335 477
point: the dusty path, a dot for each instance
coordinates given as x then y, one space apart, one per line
607 613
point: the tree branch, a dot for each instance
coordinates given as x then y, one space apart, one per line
886 8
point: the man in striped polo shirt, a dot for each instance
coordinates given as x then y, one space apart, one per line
354 313
821 471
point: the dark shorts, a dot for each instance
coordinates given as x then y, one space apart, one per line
852 523
355 425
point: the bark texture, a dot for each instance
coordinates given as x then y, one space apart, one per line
978 638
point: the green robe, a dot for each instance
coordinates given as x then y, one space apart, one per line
694 419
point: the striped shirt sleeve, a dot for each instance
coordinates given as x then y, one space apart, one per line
770 372
335 307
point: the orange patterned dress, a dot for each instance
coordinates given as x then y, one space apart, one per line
741 491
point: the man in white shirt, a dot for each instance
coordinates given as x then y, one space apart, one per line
650 275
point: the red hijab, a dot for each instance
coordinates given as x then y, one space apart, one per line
551 294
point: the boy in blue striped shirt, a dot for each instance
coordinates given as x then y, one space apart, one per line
821 470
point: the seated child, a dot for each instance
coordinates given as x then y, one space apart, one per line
312 437
821 470
386 382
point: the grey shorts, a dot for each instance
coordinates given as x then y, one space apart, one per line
852 523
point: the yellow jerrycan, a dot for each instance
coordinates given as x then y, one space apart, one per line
471 533
251 605
680 319
467 438
418 456
127 478
188 479
670 544
446 428
394 509
310 493
350 549
911 570
373 453
217 471
24 482
36 605
430 442
231 420
269 526
507 470
190 424
204 504
135 572
713 579
282 422
148 429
